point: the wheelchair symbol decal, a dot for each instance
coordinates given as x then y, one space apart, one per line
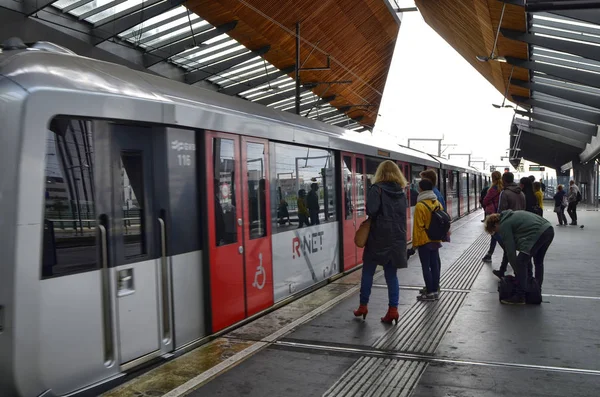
260 274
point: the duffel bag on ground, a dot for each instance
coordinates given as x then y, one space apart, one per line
534 293
507 286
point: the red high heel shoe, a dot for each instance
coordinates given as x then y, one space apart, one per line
391 316
362 311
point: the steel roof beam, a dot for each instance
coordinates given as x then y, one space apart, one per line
168 50
576 76
30 7
564 132
540 6
555 137
559 92
241 87
585 129
590 117
206 72
105 30
591 16
583 50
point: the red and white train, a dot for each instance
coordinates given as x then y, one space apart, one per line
139 215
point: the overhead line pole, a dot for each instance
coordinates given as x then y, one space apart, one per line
297 74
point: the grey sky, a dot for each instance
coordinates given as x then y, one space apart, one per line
432 91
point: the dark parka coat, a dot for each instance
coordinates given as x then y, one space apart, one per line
386 206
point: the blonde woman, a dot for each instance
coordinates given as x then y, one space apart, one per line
490 205
386 244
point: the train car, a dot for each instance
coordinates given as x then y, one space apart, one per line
141 215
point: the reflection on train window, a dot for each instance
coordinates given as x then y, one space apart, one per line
347 175
372 164
360 188
132 180
303 188
255 155
415 178
69 234
224 158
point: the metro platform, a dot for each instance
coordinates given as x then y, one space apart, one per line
466 344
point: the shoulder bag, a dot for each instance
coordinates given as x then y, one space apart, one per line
362 233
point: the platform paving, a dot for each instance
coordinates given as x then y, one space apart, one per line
466 344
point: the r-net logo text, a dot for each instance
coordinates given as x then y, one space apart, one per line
310 243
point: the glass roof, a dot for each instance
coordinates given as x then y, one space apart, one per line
182 38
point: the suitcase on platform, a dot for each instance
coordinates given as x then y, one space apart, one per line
507 287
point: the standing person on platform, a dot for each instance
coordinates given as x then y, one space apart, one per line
429 250
527 233
574 198
386 244
560 203
539 196
527 188
512 198
432 176
482 195
490 205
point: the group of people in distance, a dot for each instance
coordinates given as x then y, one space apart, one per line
514 218
386 243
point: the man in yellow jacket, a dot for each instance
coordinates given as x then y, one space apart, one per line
428 250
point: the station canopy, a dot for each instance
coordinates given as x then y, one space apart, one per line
247 48
541 55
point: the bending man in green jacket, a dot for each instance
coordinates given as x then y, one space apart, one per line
527 233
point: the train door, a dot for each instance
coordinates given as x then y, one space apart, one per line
354 203
105 292
258 265
405 168
135 242
238 228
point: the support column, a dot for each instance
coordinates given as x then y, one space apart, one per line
297 69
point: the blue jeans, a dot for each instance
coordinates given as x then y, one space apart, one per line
391 279
431 264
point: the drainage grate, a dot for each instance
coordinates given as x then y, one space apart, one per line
462 274
371 376
422 328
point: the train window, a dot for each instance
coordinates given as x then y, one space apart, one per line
255 159
69 233
132 180
360 188
347 172
303 188
372 165
224 190
414 183
184 226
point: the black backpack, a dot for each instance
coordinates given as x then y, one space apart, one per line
578 196
439 225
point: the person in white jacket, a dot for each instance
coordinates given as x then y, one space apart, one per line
574 198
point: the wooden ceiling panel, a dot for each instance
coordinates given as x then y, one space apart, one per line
470 27
359 35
